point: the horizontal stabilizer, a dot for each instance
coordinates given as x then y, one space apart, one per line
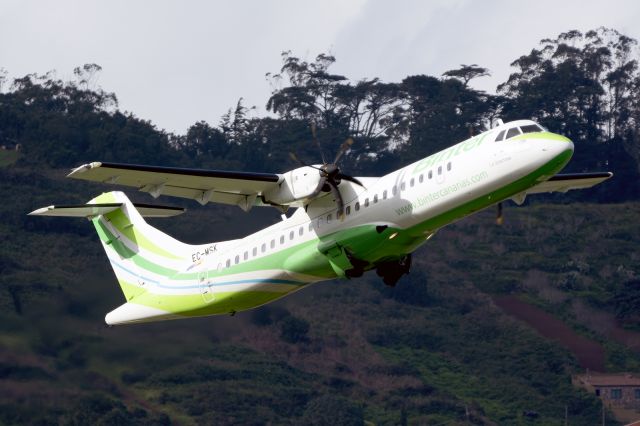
92 210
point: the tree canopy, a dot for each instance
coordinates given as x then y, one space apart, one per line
583 85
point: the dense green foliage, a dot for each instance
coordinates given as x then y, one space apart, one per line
433 350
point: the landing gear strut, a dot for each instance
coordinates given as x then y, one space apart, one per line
358 267
392 271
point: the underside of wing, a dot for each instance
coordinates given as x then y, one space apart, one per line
564 183
228 187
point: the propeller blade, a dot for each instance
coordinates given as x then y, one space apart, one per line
499 218
294 157
343 148
321 183
349 178
317 142
338 196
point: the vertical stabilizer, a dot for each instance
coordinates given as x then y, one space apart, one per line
139 253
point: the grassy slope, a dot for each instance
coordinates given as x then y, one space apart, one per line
8 157
448 352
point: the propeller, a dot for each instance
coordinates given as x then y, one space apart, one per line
330 174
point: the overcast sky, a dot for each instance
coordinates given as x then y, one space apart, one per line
178 62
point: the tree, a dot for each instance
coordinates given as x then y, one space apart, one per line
585 87
626 301
87 75
338 108
467 73
204 143
3 78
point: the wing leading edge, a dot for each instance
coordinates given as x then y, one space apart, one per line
227 187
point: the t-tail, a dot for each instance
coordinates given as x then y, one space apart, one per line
140 254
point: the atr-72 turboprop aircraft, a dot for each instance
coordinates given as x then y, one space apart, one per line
342 227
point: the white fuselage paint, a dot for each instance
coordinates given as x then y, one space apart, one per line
483 169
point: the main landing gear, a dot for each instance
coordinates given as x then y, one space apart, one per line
392 271
358 267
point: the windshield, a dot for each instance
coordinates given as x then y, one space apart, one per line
519 130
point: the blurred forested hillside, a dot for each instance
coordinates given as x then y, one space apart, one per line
436 349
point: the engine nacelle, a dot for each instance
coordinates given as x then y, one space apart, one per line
296 187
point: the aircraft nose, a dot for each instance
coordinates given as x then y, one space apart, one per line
557 150
556 145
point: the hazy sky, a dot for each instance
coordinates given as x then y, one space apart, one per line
177 62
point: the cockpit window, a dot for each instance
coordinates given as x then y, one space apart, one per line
514 131
531 128
500 136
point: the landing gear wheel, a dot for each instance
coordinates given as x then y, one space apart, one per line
391 272
358 267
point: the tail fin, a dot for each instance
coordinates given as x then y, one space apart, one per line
139 253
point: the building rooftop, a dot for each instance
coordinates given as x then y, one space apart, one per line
622 379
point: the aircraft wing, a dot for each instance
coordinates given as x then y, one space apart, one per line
564 183
236 188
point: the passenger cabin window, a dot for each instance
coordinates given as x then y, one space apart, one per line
357 207
301 231
228 263
402 186
237 259
264 247
366 202
439 170
430 174
421 178
412 182
281 239
310 226
348 210
273 243
384 194
514 131
449 166
246 255
394 190
255 251
375 198
530 128
328 218
291 235
500 135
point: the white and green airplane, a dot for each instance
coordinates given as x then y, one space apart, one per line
342 226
